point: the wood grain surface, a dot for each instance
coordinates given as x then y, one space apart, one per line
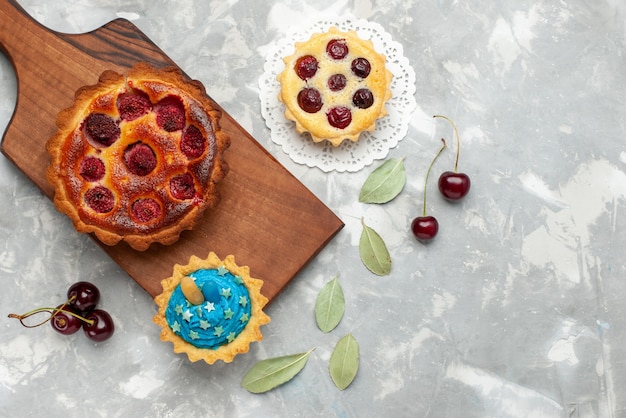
268 219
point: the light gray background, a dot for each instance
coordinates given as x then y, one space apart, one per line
515 310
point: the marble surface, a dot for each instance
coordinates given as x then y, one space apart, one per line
515 310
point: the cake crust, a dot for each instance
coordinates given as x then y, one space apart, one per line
143 183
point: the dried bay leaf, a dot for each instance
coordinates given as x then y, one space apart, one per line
344 361
384 183
329 306
373 251
267 374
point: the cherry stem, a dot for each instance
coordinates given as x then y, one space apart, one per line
458 140
52 311
428 174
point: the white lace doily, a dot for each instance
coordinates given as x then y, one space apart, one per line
349 156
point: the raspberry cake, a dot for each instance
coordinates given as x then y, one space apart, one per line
211 309
137 157
335 86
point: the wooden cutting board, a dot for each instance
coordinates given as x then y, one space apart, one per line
268 219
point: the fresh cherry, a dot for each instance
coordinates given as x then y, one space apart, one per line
65 320
452 184
425 227
78 311
100 326
83 296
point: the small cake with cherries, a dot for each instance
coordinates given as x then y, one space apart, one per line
137 158
335 86
211 309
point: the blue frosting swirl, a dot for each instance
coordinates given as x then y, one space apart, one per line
220 318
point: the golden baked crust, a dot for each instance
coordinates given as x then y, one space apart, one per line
317 123
138 156
241 343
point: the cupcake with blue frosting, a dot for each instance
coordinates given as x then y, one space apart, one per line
211 309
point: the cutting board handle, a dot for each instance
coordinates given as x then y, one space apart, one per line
17 28
116 46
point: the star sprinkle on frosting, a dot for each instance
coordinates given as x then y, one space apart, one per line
228 314
223 315
187 315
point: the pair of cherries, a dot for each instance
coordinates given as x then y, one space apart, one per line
452 185
79 311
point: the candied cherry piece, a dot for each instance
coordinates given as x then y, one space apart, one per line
337 82
102 129
92 169
146 210
363 98
133 105
100 199
192 143
339 117
361 67
83 296
139 159
337 48
306 67
170 114
310 100
182 186
64 322
102 327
